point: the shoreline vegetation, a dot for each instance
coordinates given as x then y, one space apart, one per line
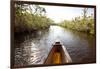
82 23
32 18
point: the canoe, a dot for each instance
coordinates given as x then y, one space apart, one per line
58 55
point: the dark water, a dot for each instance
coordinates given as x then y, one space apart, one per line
33 49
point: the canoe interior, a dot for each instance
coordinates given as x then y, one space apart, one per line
58 55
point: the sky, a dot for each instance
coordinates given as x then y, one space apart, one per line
58 13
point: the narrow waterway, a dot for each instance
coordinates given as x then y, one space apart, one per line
33 49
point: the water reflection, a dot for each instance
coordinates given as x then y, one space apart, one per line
33 49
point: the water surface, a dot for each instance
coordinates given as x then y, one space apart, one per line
33 49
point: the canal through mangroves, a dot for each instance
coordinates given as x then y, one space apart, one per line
33 48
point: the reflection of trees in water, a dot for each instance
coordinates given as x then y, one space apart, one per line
80 43
86 46
22 55
26 36
35 47
28 49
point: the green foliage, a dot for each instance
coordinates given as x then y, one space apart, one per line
28 19
84 23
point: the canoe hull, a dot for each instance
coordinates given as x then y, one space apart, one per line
58 55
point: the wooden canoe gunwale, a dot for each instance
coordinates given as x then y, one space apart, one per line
57 47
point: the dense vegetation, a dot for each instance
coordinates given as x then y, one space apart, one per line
30 18
82 23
